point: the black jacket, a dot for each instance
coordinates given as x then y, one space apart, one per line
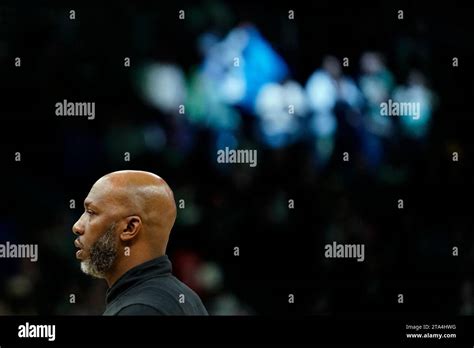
151 289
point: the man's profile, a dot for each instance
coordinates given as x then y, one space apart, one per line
122 238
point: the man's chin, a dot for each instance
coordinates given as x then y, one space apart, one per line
88 269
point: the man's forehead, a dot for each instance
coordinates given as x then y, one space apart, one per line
101 190
106 191
95 200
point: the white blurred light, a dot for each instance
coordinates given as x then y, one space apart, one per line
233 87
165 86
272 107
322 91
295 95
279 108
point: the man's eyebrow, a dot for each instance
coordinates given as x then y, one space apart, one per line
88 203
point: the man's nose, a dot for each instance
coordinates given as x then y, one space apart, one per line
78 228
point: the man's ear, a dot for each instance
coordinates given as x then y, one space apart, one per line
133 225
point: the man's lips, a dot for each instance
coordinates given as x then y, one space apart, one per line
78 245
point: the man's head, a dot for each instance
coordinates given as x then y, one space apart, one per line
127 219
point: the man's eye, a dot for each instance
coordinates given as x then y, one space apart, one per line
90 212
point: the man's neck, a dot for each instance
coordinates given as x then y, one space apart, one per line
126 264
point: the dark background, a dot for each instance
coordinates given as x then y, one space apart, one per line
408 251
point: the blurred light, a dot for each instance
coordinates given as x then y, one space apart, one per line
278 107
323 149
322 92
350 93
233 87
416 92
262 65
155 137
205 42
226 139
375 89
324 124
229 304
379 125
204 106
371 63
376 81
164 86
210 277
241 64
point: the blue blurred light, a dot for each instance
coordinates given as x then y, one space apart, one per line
261 65
240 65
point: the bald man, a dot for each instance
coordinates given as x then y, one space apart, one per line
122 238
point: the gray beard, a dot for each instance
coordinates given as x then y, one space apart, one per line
102 254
